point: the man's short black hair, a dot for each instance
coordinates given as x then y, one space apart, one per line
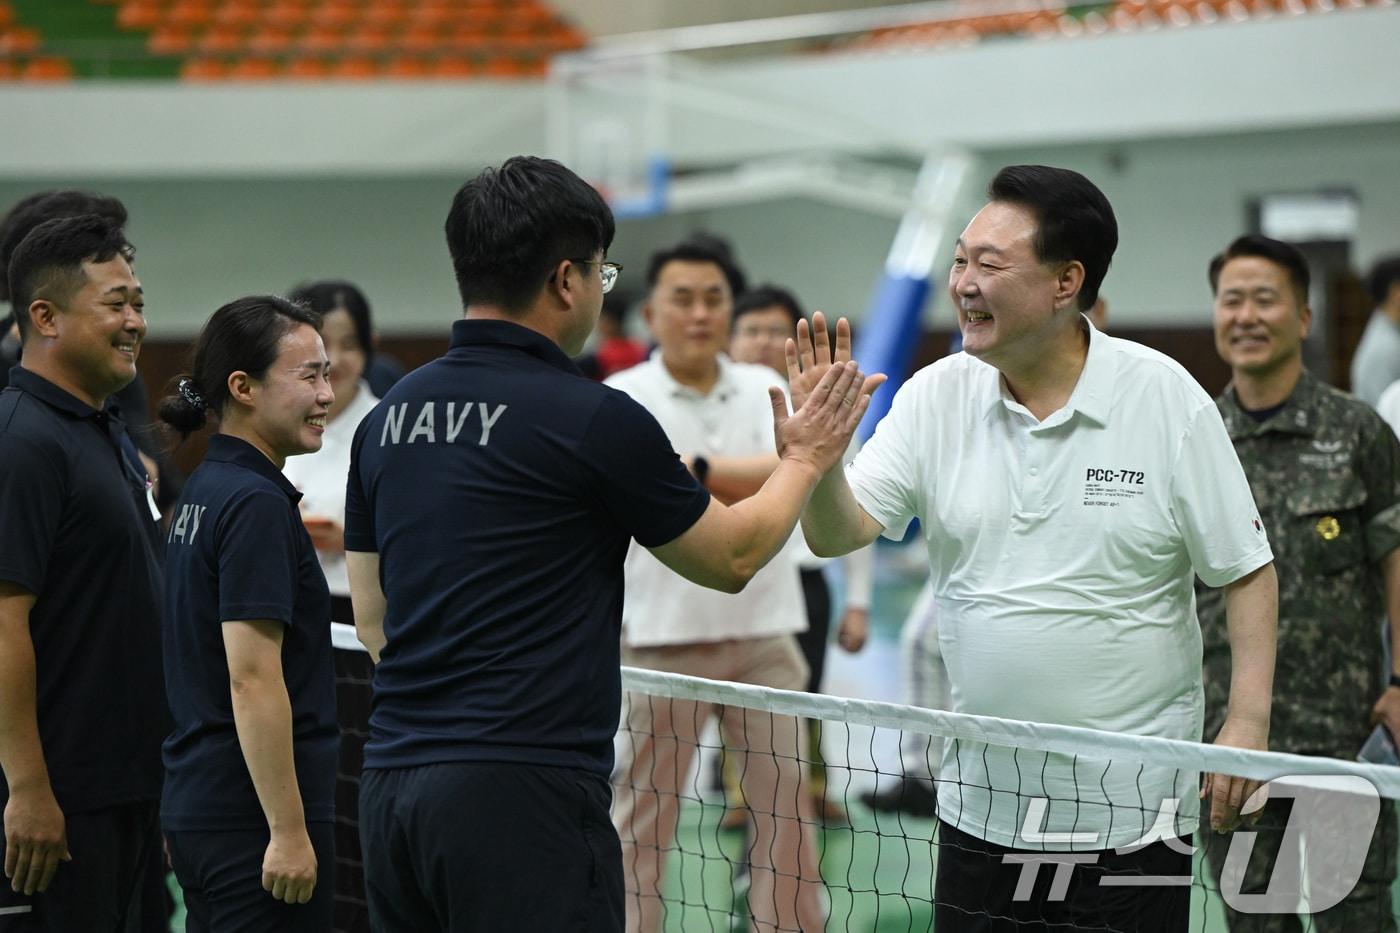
1074 221
510 226
763 297
28 213
48 263
328 296
1384 275
1276 251
701 247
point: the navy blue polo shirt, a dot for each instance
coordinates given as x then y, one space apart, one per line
501 490
76 531
237 550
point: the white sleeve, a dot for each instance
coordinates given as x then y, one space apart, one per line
884 476
860 577
1213 506
1389 406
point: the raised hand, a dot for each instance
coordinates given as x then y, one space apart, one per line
818 432
809 357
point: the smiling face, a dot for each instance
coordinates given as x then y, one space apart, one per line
1260 320
688 313
291 403
99 329
1009 303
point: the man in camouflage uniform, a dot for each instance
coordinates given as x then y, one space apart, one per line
1325 472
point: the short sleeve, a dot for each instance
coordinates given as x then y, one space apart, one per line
257 558
359 517
884 476
1379 467
31 499
1213 506
637 475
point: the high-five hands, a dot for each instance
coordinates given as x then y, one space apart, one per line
829 397
809 357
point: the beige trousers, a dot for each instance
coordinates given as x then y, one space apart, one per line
786 890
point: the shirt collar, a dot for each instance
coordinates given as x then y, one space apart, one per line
724 384
49 393
476 332
1296 416
1093 393
225 448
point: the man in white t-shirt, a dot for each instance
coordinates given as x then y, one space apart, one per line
1070 486
718 416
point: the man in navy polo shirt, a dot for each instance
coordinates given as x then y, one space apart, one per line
492 498
81 705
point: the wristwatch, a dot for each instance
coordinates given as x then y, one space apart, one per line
701 468
1395 680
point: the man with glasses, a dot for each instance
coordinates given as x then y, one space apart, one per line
717 414
491 500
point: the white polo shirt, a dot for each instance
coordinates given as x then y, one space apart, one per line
320 478
734 420
1061 557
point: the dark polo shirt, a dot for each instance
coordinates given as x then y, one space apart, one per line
76 531
237 550
501 490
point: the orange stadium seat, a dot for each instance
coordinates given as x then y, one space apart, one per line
47 68
253 69
369 40
140 14
337 14
190 14
221 40
7 15
202 69
285 16
354 69
9 69
19 40
320 40
270 40
456 68
169 40
385 15
244 14
409 67
307 69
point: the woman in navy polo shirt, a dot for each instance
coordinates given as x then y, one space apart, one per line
247 807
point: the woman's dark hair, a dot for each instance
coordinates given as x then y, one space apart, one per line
242 336
331 295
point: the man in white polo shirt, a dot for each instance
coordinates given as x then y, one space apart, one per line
718 416
1070 486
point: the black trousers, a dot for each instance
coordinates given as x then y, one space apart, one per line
816 596
489 847
221 876
976 888
101 888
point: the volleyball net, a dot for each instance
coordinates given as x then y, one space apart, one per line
745 808
771 852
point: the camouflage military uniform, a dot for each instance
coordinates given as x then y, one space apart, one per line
1325 472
